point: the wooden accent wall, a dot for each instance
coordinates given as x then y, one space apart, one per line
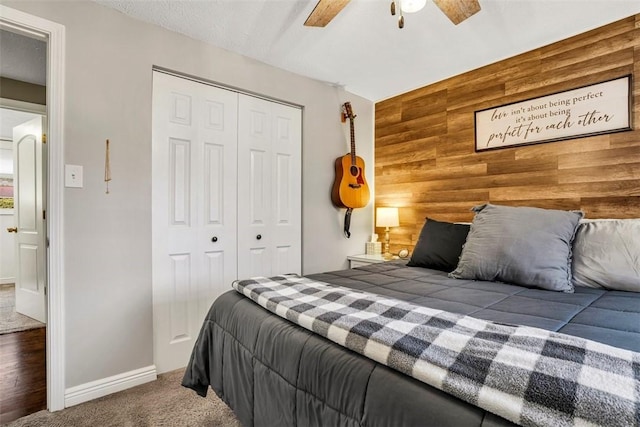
425 161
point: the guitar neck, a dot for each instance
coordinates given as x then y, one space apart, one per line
353 142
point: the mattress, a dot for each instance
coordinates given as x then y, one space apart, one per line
272 372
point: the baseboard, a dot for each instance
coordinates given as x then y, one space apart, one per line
95 389
7 280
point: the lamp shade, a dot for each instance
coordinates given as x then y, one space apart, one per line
387 217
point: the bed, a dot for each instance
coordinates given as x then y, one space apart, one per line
273 372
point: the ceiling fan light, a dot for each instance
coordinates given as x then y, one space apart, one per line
411 6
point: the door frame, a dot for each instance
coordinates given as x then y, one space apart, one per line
54 34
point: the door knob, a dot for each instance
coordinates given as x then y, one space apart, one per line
259 236
214 239
12 229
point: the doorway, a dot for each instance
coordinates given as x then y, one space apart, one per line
17 314
22 338
23 260
53 34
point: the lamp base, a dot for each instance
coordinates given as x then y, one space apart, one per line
386 254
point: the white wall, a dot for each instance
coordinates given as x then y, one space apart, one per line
6 156
109 58
7 240
7 247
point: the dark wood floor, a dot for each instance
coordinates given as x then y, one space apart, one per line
23 378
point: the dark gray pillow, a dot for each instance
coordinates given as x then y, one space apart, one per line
439 245
520 245
606 254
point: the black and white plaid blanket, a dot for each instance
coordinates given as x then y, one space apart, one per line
527 375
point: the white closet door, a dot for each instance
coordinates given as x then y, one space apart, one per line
269 188
194 209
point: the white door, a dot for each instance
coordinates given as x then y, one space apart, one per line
194 210
28 208
269 184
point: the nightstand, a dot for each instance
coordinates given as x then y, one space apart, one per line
363 259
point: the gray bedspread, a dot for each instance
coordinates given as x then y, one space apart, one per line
274 373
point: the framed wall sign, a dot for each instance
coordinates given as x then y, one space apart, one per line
590 110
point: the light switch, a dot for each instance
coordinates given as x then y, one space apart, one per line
73 176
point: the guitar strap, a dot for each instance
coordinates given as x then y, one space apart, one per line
347 222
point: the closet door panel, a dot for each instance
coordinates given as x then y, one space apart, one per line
194 157
269 185
287 189
254 187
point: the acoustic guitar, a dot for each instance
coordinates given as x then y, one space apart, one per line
350 189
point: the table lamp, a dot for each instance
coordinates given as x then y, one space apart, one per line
387 217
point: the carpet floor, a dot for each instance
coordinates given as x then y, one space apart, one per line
163 402
10 321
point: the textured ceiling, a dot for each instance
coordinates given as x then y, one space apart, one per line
23 58
363 50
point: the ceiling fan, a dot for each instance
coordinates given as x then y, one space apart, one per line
456 10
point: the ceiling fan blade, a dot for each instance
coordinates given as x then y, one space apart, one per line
324 12
458 10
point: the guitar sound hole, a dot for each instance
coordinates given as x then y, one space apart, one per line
354 171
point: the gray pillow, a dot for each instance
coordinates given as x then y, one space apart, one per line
606 254
520 245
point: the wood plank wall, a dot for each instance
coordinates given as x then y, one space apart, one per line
425 161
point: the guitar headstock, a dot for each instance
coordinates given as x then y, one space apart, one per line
347 112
